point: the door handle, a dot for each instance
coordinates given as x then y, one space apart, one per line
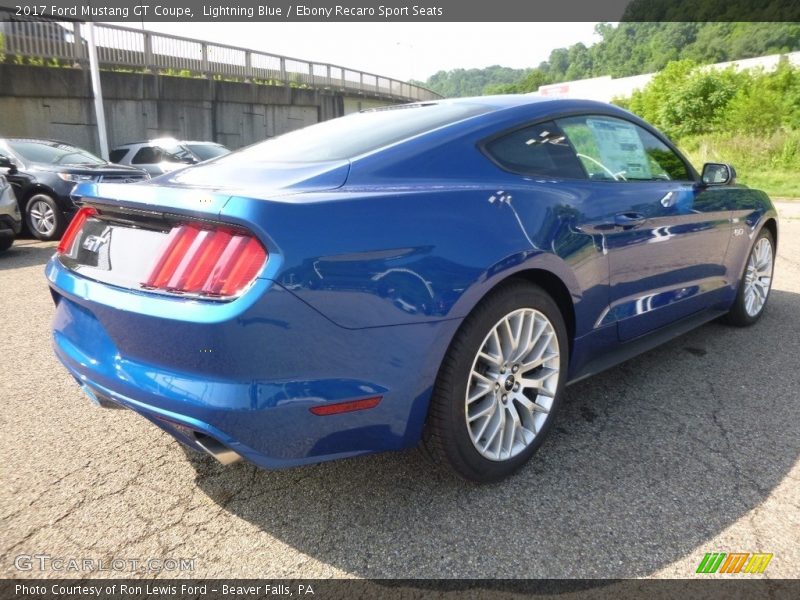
628 220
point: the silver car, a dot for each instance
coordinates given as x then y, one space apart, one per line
10 217
165 154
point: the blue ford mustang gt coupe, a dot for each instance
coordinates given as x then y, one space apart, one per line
432 273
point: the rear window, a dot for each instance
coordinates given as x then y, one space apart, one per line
356 134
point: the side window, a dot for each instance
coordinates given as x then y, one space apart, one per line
117 155
613 149
540 149
147 156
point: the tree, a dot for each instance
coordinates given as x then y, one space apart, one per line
631 48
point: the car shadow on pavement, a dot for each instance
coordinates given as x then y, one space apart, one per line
646 463
26 253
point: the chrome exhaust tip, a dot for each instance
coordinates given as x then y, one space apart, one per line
222 453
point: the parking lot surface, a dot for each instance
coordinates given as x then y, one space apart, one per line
690 448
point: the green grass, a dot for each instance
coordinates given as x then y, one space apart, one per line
768 162
776 183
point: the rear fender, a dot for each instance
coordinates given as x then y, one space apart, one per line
394 256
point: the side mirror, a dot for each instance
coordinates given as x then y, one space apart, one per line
5 163
718 174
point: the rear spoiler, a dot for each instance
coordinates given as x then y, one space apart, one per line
150 198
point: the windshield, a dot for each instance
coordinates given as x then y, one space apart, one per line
207 151
53 153
355 134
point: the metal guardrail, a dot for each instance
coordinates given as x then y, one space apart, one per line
128 48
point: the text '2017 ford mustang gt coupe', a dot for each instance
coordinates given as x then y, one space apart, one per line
433 273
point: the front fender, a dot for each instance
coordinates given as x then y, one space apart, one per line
750 211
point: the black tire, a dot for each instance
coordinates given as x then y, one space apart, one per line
59 220
446 437
738 315
5 242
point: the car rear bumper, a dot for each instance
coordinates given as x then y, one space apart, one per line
246 373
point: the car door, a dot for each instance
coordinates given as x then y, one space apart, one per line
664 239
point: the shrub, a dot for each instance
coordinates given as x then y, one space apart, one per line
750 119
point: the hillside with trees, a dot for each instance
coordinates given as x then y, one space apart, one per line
624 50
460 83
750 119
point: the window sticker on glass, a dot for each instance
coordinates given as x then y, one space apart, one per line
620 147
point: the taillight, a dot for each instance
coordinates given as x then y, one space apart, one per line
65 245
206 261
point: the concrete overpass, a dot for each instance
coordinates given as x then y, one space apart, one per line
57 103
158 85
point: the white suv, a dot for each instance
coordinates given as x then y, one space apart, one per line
165 154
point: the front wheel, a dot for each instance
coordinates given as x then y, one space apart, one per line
499 384
756 283
43 217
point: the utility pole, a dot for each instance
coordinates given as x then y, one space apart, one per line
97 92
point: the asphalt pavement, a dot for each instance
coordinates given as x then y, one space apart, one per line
690 448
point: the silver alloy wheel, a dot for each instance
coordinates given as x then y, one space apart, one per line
512 384
758 277
43 217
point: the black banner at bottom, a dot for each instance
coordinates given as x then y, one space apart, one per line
400 589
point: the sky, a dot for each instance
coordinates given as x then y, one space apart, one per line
400 50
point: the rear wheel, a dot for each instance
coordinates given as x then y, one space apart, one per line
756 282
43 217
499 384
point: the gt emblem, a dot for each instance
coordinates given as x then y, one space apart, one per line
93 243
737 231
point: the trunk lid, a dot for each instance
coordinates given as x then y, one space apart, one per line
260 180
135 224
151 198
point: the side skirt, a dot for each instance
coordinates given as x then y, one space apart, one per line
644 343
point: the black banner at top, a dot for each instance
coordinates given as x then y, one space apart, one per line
405 10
